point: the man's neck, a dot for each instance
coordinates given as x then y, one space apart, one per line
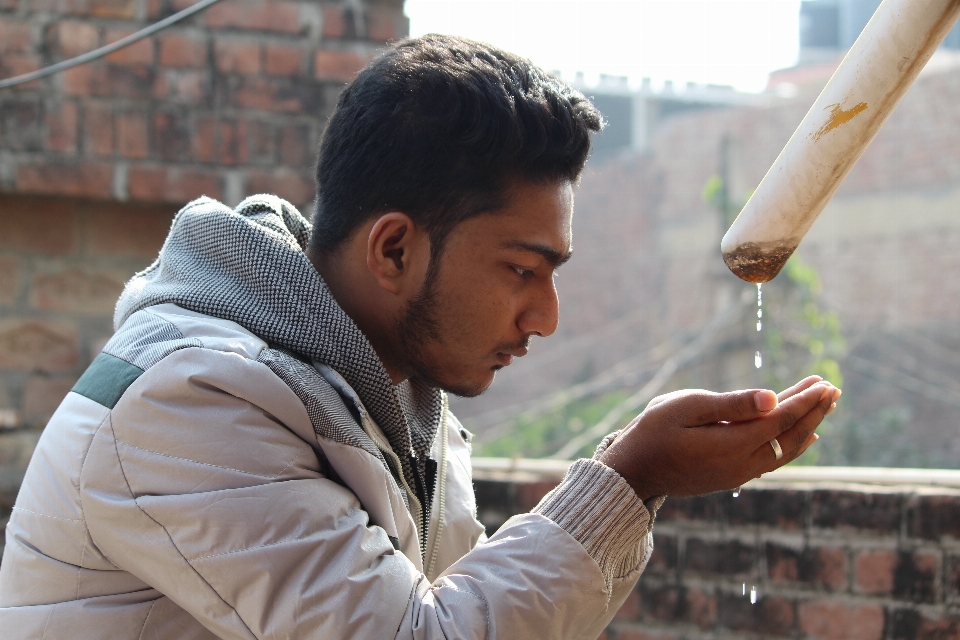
351 291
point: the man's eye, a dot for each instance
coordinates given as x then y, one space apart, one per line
523 273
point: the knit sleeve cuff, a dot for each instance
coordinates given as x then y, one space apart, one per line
596 506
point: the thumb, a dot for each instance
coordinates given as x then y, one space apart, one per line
697 408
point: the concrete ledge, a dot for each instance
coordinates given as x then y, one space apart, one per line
531 470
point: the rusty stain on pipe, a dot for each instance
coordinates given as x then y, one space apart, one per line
838 117
876 72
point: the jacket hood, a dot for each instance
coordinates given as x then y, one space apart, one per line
249 266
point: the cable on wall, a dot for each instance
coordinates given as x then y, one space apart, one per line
110 48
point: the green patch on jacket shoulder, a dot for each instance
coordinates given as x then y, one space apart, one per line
106 379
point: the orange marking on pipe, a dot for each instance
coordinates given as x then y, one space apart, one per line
838 117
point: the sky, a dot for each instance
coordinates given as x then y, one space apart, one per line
727 42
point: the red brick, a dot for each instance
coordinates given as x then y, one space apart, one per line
281 60
30 344
97 129
129 230
140 52
88 179
78 81
56 236
334 25
819 567
171 184
15 64
255 15
74 37
182 50
770 616
731 558
171 135
701 608
76 290
856 510
256 92
10 282
204 140
336 65
15 37
933 517
261 141
664 557
915 576
110 9
296 150
232 143
41 397
236 56
165 8
189 86
290 185
62 128
837 621
382 24
132 135
630 609
874 571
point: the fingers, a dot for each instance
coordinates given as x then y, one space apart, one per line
806 383
796 407
698 408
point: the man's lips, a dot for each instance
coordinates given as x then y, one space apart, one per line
506 356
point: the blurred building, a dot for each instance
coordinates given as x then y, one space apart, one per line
829 27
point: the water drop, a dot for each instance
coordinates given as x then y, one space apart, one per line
759 313
759 294
744 588
759 325
736 494
757 360
753 595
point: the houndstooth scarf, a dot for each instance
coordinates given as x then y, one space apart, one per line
249 266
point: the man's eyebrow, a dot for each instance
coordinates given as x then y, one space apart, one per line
551 255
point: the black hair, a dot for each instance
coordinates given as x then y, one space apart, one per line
439 128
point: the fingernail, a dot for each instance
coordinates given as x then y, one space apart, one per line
816 437
826 392
765 400
830 410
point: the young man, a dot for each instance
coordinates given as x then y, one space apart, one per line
264 448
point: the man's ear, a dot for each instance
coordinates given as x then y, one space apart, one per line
391 247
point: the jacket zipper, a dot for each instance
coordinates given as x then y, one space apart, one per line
416 507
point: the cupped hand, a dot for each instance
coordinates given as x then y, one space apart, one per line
692 442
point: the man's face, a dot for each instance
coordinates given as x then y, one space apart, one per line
491 291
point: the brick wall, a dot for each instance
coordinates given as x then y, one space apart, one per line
226 103
829 561
94 162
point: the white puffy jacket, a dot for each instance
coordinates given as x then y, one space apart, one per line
236 478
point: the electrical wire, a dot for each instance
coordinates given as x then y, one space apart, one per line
110 48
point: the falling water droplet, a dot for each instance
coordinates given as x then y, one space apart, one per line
759 294
757 360
744 588
753 595
759 313
759 325
736 492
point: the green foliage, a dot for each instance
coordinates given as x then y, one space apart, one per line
797 313
544 435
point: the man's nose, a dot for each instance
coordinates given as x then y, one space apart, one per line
542 315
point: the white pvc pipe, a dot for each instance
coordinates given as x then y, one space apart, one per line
874 75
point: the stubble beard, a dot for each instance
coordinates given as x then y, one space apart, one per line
420 325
